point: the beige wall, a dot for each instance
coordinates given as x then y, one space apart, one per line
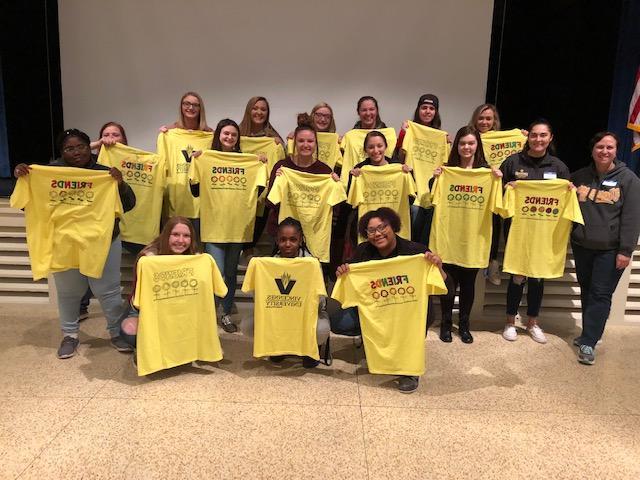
130 61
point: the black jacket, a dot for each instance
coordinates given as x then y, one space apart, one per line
610 205
127 197
521 166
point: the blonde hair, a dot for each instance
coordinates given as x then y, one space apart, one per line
202 118
485 106
245 124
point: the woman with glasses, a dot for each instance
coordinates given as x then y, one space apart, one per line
380 227
191 114
71 285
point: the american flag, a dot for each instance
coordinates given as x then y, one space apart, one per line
634 114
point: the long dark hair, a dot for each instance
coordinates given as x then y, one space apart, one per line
225 122
437 121
478 157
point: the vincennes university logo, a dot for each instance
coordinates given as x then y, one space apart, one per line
285 284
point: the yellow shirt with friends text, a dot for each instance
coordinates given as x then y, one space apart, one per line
228 194
146 174
69 214
500 144
392 300
309 198
541 212
177 323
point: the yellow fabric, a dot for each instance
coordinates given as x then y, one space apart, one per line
309 198
146 174
228 194
328 149
176 147
498 145
177 324
266 146
542 212
384 186
353 148
464 201
426 148
287 293
69 214
391 296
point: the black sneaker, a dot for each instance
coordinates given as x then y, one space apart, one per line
277 358
308 362
227 325
121 345
68 347
407 384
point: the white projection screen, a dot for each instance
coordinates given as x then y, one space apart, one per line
130 61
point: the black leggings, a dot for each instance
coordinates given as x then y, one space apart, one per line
535 289
465 278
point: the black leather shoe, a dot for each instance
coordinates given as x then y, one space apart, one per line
407 384
445 335
465 335
308 362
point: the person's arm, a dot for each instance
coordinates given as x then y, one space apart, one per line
127 197
629 222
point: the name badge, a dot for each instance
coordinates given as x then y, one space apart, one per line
550 175
609 183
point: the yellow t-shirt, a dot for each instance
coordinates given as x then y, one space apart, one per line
426 148
464 201
266 146
228 194
391 296
309 198
69 214
177 325
146 174
328 149
542 212
499 144
384 186
176 147
353 148
287 293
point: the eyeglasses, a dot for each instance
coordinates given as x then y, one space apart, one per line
379 229
324 116
77 148
187 105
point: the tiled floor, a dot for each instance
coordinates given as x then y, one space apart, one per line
492 409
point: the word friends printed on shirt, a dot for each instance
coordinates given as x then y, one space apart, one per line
540 208
500 151
174 283
70 192
380 192
392 290
228 178
285 286
466 196
137 173
187 153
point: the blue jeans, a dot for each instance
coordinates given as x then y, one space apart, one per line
226 256
345 322
72 285
598 278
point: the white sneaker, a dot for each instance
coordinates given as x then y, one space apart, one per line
510 333
493 273
537 334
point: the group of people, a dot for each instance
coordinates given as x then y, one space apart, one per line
608 194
